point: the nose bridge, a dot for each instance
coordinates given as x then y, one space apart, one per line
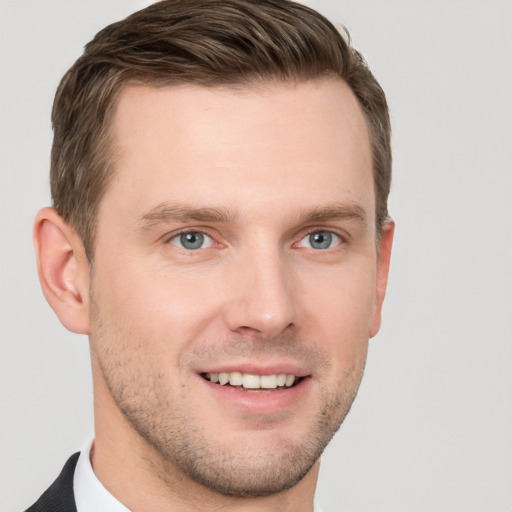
263 300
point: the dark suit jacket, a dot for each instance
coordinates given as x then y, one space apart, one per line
59 497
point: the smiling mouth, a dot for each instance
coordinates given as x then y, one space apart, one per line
252 382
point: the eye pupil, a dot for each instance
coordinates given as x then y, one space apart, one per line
192 240
320 240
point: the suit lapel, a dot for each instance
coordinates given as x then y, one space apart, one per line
59 497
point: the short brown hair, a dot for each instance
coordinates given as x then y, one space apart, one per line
203 42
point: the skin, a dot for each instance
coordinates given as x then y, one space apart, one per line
260 168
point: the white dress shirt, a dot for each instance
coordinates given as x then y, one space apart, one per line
91 496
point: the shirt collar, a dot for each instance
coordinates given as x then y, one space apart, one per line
90 495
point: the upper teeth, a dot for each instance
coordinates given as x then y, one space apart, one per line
251 381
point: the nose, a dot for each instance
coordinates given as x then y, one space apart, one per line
262 296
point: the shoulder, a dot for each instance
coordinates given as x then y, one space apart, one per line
59 497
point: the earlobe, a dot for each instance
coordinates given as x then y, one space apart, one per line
63 270
386 242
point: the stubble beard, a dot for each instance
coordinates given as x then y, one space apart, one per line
224 469
181 444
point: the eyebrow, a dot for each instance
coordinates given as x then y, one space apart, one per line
166 213
341 211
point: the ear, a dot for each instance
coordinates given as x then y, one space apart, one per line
63 269
383 258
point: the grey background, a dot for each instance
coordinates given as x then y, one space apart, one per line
431 429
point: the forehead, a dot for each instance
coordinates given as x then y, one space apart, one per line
281 141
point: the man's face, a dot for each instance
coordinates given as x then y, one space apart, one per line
236 241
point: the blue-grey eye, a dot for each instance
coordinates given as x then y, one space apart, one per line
192 241
320 240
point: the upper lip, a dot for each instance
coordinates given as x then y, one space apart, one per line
258 369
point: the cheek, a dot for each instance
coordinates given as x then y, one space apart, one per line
341 300
338 314
165 310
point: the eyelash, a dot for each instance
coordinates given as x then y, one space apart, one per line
340 239
176 236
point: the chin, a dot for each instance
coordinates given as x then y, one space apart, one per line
250 474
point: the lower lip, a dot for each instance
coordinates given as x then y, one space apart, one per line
260 401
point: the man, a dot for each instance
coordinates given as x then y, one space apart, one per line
220 173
